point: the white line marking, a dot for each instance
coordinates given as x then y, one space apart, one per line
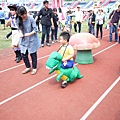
47 56
100 99
16 95
105 49
20 65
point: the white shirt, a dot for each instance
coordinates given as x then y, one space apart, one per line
99 18
79 16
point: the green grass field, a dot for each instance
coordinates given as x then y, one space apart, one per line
7 43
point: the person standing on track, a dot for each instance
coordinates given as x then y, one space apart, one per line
29 42
46 21
100 18
114 18
15 33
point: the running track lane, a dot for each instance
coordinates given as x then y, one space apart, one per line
64 99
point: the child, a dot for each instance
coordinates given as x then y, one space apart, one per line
29 42
67 22
15 33
67 52
55 30
119 34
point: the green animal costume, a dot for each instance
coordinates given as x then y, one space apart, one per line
54 64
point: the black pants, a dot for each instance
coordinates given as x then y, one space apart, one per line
45 31
97 30
27 62
79 27
9 34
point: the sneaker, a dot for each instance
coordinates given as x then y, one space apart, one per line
34 71
18 59
42 45
6 37
64 84
56 40
47 44
26 70
53 42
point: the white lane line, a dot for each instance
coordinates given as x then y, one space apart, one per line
105 49
16 95
24 91
47 56
20 65
84 117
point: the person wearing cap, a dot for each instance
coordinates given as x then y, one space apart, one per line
46 21
78 19
15 33
55 30
114 18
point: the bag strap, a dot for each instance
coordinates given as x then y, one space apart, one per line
112 15
64 50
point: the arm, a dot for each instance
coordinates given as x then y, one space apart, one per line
34 29
111 14
8 22
40 13
52 19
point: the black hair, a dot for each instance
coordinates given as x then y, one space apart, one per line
21 10
55 9
0 8
118 6
60 10
65 35
44 2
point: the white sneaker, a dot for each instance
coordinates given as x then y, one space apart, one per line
53 42
42 45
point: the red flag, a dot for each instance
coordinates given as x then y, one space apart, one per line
57 3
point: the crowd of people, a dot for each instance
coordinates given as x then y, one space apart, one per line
24 28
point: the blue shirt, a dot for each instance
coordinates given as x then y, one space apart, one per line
31 43
2 14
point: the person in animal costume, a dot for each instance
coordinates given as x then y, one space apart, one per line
62 61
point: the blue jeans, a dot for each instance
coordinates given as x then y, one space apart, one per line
113 28
45 31
54 33
91 29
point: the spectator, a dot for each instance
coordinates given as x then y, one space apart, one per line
37 21
55 30
2 18
100 21
78 19
46 21
91 22
15 33
114 18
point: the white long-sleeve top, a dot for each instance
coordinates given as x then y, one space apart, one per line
79 16
100 18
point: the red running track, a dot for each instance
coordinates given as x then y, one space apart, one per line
40 97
